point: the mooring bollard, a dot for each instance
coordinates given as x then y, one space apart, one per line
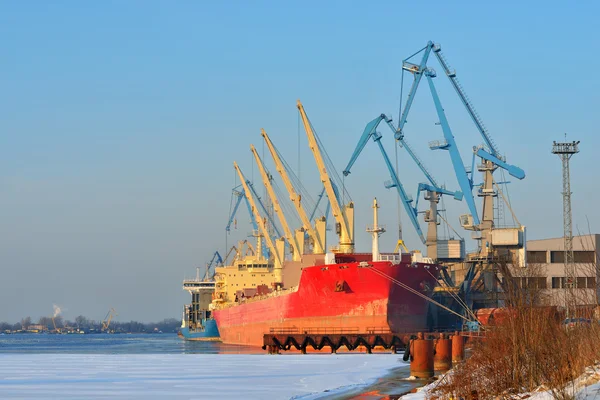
442 360
458 348
421 353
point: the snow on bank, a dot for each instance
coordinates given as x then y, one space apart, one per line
193 376
585 387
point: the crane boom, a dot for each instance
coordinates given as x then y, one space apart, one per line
219 261
412 211
276 251
466 184
451 74
417 71
241 195
295 246
318 238
371 132
344 217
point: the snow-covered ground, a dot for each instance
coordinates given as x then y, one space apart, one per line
585 387
190 376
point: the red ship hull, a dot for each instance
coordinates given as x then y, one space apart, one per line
347 297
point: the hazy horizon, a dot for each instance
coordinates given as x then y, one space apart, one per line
121 122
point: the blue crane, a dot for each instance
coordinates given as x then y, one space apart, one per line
240 195
215 259
489 153
412 211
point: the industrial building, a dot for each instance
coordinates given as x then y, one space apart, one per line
546 270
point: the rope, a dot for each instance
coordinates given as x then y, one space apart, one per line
456 297
507 203
298 145
401 95
450 226
416 292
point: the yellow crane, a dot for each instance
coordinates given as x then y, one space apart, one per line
317 235
277 248
109 316
296 241
344 215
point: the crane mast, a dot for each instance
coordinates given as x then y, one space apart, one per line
296 242
277 248
344 216
316 234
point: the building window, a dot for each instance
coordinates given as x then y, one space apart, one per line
581 282
558 282
557 257
588 257
537 282
591 283
537 257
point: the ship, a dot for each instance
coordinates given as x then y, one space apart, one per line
337 290
197 322
349 293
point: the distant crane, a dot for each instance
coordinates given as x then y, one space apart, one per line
241 195
215 259
107 319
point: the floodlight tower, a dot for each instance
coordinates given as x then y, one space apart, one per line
565 151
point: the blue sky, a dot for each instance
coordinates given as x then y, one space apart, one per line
121 121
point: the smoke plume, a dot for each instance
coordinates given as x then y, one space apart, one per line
57 310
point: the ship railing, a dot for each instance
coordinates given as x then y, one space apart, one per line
394 258
326 331
316 330
375 330
284 331
256 298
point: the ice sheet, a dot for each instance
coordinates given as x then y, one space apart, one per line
192 376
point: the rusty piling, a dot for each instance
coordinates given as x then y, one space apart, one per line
458 348
442 360
421 352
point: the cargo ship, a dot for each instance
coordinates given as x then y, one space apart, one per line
197 322
312 288
352 293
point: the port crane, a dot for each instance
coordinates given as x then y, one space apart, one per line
495 245
296 240
277 247
57 330
432 189
241 195
107 319
316 207
217 260
316 234
239 251
488 152
343 214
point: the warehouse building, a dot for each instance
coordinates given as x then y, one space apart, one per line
546 270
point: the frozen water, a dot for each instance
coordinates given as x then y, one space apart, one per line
191 376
